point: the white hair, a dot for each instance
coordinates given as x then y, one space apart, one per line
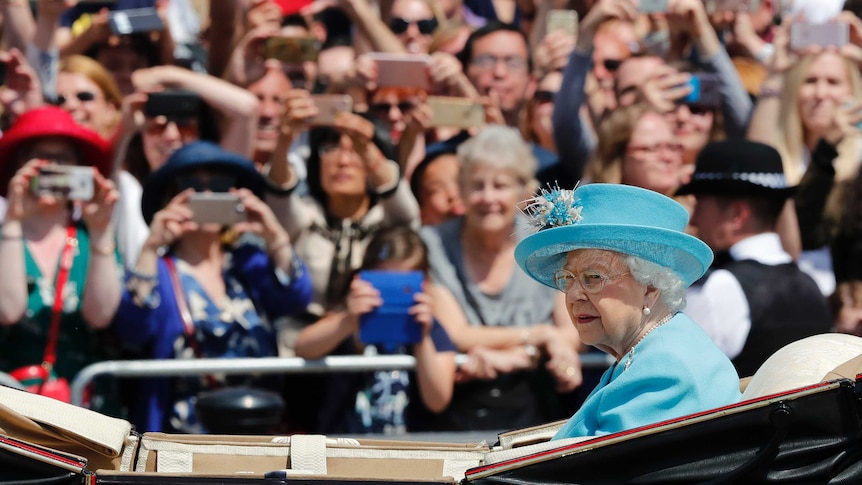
670 285
501 147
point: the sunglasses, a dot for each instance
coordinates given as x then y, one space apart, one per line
700 109
217 182
612 65
385 108
83 96
399 25
187 127
544 96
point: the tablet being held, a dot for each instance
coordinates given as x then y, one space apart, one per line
391 323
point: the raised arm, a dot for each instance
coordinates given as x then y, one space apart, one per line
237 107
102 292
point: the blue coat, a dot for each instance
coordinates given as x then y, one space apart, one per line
676 370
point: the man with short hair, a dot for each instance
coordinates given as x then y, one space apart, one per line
496 59
754 299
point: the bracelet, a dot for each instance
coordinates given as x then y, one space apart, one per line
105 251
766 92
4 237
142 276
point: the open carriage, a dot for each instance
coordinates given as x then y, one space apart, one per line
808 433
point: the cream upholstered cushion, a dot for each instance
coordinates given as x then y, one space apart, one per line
801 363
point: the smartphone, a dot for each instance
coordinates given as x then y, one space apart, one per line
402 70
390 323
2 73
565 20
217 207
705 90
328 106
652 6
455 112
134 21
292 50
175 104
713 6
828 34
65 181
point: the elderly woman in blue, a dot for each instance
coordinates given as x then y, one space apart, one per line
621 256
206 286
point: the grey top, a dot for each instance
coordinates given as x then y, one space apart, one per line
522 302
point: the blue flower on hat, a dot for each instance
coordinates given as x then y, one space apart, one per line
552 207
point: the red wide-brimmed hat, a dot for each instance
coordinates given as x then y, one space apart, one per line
51 121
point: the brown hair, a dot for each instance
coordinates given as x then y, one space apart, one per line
614 134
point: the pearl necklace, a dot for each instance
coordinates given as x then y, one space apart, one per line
631 352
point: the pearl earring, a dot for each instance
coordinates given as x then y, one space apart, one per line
647 311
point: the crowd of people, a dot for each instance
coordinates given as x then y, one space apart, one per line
241 165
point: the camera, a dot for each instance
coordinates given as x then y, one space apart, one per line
68 182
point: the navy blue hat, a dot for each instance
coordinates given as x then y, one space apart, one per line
740 168
196 156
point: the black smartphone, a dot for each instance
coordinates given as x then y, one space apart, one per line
134 21
173 104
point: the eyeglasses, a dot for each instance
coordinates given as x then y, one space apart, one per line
612 64
591 281
400 25
544 96
217 182
83 96
488 61
659 147
383 109
186 126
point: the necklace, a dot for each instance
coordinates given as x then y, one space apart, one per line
658 324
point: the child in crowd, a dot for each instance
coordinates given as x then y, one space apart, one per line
385 401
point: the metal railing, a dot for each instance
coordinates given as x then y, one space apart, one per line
262 365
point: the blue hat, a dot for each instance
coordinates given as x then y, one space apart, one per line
195 156
612 217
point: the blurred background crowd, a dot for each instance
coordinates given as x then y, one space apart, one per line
396 136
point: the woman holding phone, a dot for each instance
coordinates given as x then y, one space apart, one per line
217 288
385 401
61 274
808 95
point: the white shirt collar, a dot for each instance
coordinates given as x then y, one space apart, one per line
764 248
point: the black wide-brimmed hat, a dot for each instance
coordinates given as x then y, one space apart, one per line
738 168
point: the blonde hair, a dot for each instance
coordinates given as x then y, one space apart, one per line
436 10
95 72
790 136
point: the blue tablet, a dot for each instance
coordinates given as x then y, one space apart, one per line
390 323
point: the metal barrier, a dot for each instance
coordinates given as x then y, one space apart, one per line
263 365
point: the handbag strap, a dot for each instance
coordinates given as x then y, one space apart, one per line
182 304
50 356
